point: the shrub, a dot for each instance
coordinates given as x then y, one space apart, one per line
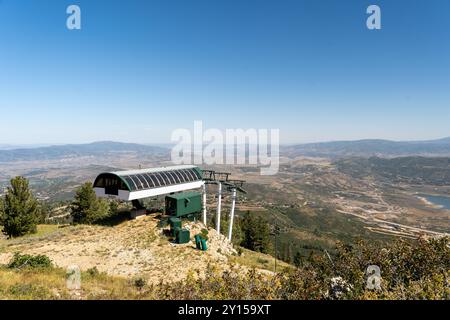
19 261
204 234
409 270
93 272
139 283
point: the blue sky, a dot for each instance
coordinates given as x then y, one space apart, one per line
139 69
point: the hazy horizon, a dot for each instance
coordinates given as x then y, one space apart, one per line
7 146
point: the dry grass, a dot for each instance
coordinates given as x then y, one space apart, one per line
51 284
135 248
258 260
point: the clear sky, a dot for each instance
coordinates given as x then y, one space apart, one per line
139 69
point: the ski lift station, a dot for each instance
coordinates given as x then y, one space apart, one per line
140 184
174 181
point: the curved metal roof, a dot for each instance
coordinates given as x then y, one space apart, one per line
145 179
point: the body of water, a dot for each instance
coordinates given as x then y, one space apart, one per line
438 200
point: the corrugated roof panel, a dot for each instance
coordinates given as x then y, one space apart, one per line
145 179
150 180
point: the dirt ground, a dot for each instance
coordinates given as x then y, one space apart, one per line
130 249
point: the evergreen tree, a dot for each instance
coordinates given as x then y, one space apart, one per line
86 208
298 260
248 231
237 232
19 209
263 239
255 232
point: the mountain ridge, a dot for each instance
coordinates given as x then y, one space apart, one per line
333 149
371 147
62 151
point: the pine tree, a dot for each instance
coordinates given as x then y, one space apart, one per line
298 260
86 208
19 210
263 236
248 231
255 232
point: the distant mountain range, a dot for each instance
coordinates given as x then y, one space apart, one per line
72 150
369 148
336 149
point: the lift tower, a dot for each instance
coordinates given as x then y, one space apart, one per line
223 182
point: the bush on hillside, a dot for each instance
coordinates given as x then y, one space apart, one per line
19 261
409 270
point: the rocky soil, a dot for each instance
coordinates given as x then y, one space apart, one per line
136 248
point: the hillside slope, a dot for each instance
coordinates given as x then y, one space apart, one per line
131 249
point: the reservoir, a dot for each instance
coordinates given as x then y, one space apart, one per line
438 200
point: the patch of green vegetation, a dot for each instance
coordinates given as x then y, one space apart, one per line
417 270
313 230
19 261
204 234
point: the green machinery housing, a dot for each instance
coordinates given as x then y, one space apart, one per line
184 204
